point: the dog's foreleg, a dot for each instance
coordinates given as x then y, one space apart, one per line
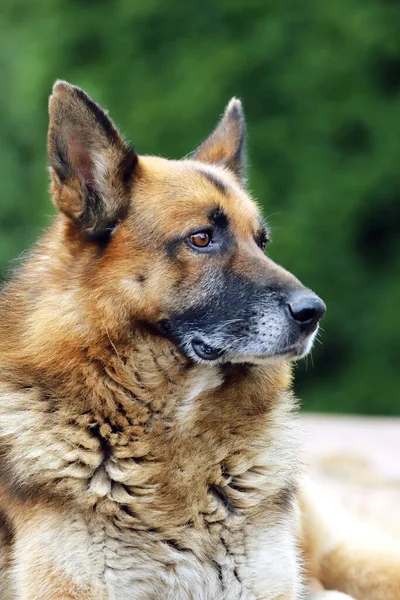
346 555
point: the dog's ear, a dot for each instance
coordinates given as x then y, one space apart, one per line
91 165
227 144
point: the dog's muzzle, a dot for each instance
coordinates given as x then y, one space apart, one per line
246 322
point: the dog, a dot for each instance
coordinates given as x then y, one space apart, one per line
148 433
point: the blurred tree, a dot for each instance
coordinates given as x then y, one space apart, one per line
321 86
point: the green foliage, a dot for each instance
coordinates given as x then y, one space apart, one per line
320 82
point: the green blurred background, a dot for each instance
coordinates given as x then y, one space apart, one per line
320 82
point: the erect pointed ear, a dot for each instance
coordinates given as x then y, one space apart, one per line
91 165
226 145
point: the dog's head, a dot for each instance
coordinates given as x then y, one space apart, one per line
176 245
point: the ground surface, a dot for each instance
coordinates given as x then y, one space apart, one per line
358 458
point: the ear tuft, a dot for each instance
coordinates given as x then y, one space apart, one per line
226 145
91 165
60 86
235 109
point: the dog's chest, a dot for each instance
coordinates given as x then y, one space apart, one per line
180 519
229 561
198 534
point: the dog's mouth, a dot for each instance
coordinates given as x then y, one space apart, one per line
206 352
209 353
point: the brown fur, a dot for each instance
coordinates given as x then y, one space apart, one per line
128 470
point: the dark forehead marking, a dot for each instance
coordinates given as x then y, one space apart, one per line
218 218
215 180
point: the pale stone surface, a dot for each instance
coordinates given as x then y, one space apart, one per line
358 459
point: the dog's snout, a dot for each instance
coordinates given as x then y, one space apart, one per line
307 309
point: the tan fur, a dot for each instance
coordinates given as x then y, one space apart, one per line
345 554
128 471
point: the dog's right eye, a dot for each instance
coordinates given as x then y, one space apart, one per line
262 239
201 239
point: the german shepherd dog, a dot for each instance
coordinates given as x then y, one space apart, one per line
147 434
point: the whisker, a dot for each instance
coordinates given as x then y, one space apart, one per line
113 345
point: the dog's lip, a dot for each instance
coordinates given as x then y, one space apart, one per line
291 352
209 353
204 351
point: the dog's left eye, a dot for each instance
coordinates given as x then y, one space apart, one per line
201 239
262 239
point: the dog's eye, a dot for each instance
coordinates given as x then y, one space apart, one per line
201 239
262 239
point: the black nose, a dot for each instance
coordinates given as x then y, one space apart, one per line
307 309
